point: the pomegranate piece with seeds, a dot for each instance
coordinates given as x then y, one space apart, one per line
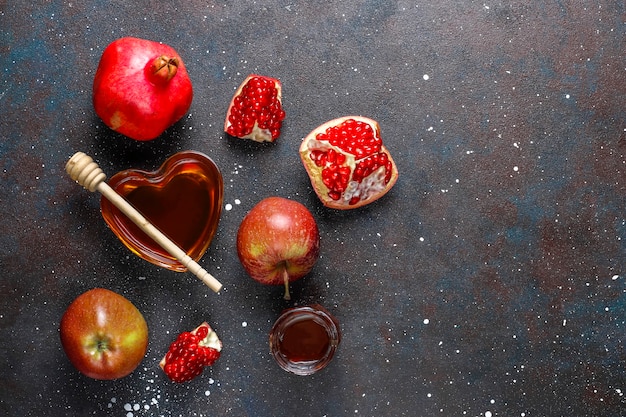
190 353
256 110
347 162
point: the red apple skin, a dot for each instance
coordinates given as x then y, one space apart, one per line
278 235
103 334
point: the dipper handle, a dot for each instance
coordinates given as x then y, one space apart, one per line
82 169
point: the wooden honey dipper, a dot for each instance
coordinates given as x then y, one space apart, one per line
82 169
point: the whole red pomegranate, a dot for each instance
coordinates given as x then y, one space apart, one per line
141 88
347 162
255 111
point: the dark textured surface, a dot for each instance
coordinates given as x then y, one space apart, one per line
490 281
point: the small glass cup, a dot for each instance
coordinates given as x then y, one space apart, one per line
303 339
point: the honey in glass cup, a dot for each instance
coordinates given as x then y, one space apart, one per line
304 339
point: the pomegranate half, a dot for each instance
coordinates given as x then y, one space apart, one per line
347 162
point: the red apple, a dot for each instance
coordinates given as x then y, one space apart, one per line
103 334
278 242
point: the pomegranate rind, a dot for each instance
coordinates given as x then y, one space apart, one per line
257 134
211 340
130 103
310 143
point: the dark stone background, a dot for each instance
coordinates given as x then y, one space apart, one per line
490 281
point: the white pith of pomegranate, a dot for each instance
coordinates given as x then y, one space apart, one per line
347 162
255 111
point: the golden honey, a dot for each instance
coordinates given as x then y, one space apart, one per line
183 199
304 339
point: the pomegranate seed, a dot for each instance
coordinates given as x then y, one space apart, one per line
202 333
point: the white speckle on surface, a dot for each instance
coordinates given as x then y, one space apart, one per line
421 239
516 168
615 277
207 393
237 201
426 77
228 207
426 321
487 413
244 324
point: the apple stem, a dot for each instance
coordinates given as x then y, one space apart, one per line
287 296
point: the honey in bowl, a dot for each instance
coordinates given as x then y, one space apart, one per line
183 199
304 339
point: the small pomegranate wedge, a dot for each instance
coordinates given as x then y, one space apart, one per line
347 162
190 353
256 111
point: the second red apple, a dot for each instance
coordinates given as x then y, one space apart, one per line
103 334
278 242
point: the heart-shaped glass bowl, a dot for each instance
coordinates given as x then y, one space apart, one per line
183 199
